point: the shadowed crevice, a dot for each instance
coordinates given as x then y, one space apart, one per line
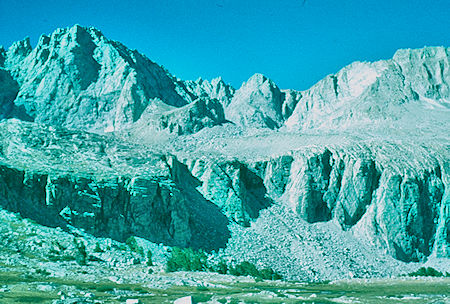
209 226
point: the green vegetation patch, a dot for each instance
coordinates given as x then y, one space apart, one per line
428 272
80 254
188 259
28 297
133 245
248 269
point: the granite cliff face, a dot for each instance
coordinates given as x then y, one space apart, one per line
368 95
79 79
398 209
259 103
97 136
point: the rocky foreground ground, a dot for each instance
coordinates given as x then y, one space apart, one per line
349 179
39 265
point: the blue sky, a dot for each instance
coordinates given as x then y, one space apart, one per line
293 42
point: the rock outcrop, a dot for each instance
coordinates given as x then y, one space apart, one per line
97 136
379 94
259 103
399 209
8 92
216 89
114 208
102 188
232 186
80 79
199 114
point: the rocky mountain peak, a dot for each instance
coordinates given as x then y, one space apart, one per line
76 77
21 47
257 104
17 52
414 55
377 94
427 71
216 89
257 80
364 152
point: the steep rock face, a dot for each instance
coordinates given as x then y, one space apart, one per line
324 185
78 78
306 190
16 53
359 181
258 103
215 89
8 92
276 173
232 186
115 208
291 100
125 190
105 186
442 236
389 188
380 93
408 211
398 209
427 71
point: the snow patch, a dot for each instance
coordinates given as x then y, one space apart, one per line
109 129
359 77
430 103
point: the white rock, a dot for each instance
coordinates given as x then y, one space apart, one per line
184 300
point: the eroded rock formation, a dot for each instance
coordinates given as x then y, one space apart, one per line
99 137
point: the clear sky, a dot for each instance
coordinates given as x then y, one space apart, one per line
293 42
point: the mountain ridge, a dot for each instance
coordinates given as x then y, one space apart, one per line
123 83
354 171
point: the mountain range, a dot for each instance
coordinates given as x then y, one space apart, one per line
350 177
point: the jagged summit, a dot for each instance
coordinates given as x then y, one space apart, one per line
17 52
216 88
257 104
427 71
78 78
413 85
326 183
